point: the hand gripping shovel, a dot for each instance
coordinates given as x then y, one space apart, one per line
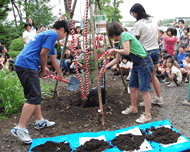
73 83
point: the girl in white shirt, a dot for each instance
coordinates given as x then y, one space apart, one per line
28 34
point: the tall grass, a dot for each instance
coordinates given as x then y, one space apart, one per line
12 94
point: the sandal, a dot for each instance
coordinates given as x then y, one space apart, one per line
129 111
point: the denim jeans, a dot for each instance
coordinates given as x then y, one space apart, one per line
65 65
141 73
155 55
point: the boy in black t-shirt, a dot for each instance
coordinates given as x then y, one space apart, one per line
68 58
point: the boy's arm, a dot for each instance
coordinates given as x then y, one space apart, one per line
56 66
43 58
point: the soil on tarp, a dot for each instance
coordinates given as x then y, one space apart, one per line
50 146
128 142
94 145
161 135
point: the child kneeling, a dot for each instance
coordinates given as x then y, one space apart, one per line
172 73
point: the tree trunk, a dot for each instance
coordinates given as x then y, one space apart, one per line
14 15
19 13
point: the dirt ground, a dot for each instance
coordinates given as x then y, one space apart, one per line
73 119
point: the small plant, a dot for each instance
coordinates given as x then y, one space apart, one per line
12 94
17 44
13 54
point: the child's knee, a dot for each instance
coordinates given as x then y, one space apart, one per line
133 89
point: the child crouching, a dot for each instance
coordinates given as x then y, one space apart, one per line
172 73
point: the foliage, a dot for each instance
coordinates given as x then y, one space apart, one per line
111 10
39 11
17 44
11 91
9 32
13 54
4 9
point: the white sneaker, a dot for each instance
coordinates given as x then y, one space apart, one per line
172 84
129 111
186 80
44 123
128 78
143 118
166 83
156 100
23 135
185 102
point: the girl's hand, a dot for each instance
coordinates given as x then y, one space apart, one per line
111 51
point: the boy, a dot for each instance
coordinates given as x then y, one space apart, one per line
186 67
182 55
27 66
42 28
80 58
180 29
185 39
68 58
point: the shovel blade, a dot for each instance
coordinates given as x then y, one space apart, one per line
73 84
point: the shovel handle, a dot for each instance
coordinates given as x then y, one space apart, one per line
54 77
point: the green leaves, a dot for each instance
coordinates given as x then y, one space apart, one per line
11 91
17 44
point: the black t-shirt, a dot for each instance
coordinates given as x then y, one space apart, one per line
7 56
71 57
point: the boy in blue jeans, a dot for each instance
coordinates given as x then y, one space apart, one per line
26 66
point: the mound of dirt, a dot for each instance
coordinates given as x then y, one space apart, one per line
50 146
128 142
94 145
161 135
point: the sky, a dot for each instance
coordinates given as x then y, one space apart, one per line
159 9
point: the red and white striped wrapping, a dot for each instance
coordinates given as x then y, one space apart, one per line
75 53
86 51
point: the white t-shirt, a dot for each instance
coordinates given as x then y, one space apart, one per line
177 72
28 35
186 65
147 29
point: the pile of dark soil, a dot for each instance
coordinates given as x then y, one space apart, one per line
128 142
50 146
161 135
94 145
92 99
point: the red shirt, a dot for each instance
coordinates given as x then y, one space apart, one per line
169 44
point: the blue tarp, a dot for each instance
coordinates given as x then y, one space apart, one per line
73 139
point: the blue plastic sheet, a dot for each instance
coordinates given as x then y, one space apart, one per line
73 139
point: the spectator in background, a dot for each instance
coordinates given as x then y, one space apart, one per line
172 73
68 58
180 29
182 55
186 67
33 25
77 30
170 42
3 63
28 34
185 39
3 50
42 28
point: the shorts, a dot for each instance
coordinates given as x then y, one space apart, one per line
155 55
31 84
141 75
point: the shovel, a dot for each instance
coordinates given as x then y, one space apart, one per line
73 83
